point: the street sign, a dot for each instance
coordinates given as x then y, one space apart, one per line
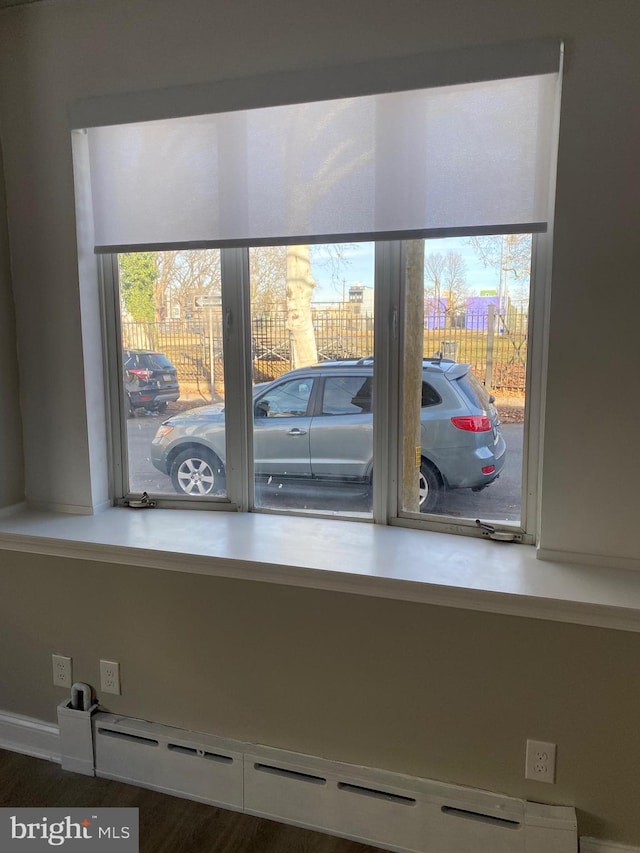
205 301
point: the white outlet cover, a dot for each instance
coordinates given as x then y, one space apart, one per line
110 676
62 670
540 762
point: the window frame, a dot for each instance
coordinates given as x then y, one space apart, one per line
389 297
537 337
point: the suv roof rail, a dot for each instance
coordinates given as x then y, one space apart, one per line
438 358
367 360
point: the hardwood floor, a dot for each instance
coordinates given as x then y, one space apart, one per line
167 824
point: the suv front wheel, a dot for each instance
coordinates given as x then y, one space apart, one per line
198 472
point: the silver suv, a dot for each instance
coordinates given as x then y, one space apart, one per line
316 423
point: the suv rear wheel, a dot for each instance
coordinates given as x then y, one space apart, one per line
430 487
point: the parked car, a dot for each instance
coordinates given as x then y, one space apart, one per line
316 423
150 380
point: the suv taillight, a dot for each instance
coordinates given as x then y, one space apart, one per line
141 372
472 423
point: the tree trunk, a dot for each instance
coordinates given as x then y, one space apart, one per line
300 284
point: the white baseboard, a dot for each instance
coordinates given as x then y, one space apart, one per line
594 845
261 791
29 736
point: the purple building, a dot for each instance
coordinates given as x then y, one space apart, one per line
474 315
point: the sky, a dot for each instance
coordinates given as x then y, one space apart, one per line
359 268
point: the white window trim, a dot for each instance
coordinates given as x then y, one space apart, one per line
237 375
389 308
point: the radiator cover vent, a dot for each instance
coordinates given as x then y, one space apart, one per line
199 767
401 813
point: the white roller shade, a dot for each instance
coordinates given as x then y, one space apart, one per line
472 156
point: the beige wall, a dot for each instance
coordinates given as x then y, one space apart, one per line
442 693
11 459
434 691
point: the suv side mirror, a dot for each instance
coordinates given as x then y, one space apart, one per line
261 409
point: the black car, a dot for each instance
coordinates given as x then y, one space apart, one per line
150 380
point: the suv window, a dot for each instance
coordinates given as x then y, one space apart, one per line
149 360
157 361
288 400
347 395
474 390
430 396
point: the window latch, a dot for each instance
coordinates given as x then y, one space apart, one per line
492 532
145 502
394 324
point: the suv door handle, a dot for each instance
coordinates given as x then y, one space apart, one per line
297 431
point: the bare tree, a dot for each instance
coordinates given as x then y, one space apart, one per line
268 276
182 276
446 280
433 276
510 254
332 257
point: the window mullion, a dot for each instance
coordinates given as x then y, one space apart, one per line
388 268
117 414
237 376
539 311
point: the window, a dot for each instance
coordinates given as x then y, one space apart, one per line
468 441
430 396
251 384
287 400
348 395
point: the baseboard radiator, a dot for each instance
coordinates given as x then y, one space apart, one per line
388 810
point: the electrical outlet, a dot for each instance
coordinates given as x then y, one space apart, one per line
540 762
110 676
62 671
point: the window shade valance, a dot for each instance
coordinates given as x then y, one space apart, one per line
461 157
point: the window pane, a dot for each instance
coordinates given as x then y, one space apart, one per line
347 395
464 363
430 396
285 400
312 341
173 377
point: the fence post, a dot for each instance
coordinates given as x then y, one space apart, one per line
491 322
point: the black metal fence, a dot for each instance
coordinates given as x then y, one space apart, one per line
494 343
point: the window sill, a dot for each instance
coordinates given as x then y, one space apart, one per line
363 559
